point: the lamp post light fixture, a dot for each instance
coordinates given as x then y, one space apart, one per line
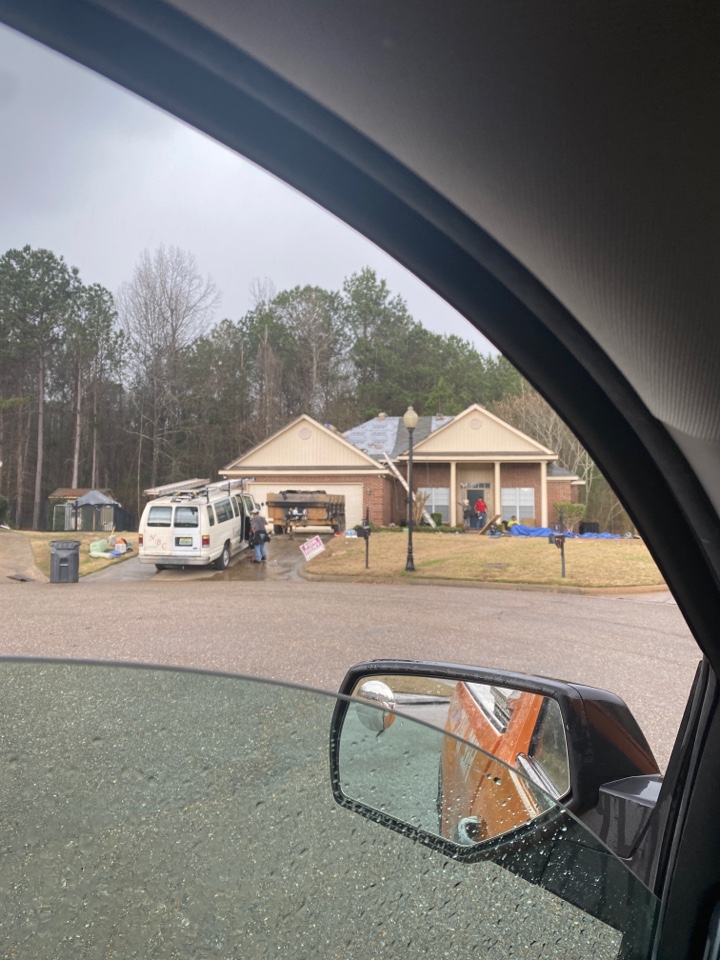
410 420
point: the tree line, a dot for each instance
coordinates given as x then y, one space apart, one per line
142 388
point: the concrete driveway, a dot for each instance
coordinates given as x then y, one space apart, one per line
285 562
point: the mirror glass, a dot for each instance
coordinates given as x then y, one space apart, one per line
504 763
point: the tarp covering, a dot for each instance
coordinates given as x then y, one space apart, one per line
93 498
518 530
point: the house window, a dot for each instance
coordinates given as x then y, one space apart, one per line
518 502
438 501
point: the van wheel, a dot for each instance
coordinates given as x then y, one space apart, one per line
223 561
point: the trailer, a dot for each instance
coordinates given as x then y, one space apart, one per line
289 509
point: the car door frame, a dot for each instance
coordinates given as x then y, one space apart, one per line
165 57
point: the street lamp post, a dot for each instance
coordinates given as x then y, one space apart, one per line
410 419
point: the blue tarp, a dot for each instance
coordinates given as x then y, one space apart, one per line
520 531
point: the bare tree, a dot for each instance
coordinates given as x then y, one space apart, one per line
163 310
262 292
531 414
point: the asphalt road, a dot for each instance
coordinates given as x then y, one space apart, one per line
248 621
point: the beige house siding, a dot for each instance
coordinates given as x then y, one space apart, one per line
302 444
477 433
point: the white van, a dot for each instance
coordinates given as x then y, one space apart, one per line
195 526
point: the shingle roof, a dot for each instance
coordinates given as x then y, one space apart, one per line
556 470
388 435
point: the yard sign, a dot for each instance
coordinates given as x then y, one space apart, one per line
311 548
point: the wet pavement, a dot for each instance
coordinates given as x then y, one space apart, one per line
285 562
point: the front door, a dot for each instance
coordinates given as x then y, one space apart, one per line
473 494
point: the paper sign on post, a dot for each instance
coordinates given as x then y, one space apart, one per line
311 548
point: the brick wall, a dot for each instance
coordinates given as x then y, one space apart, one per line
560 491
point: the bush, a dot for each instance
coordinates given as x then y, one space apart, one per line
374 528
444 529
4 509
437 519
572 513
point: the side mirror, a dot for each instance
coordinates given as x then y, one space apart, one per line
464 758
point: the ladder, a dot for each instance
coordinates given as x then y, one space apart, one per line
426 516
197 487
170 488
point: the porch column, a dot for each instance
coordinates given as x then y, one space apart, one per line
543 494
453 493
497 495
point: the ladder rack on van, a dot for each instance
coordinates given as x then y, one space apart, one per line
169 488
191 489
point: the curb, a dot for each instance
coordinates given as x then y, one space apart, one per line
482 584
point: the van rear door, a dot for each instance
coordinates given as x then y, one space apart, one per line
186 531
158 534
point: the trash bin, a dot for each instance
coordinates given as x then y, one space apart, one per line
64 561
589 526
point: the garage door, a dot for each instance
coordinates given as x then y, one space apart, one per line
353 493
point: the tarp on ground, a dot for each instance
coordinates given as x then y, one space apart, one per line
518 530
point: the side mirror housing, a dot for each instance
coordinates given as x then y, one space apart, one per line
534 742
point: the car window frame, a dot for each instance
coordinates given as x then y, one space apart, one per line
205 81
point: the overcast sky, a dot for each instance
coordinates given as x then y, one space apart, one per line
96 175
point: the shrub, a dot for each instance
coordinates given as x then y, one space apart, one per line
374 528
572 513
437 519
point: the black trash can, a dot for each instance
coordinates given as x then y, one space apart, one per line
589 526
64 561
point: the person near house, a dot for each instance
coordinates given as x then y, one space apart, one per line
259 537
467 514
509 524
481 512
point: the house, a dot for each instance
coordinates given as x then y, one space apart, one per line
455 459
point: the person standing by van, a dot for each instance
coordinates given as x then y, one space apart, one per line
258 529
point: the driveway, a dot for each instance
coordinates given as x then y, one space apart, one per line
285 562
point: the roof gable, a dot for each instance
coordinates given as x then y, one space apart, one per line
302 443
477 431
